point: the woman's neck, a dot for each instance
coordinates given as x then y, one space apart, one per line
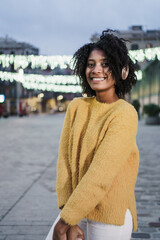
106 98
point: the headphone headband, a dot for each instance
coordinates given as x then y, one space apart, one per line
125 72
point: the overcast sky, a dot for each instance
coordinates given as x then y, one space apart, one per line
62 26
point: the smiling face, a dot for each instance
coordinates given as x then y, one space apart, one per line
98 74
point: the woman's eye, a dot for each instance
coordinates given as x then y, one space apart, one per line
105 65
90 64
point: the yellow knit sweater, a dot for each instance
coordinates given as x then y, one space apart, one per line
98 162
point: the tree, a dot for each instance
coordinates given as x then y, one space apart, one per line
95 37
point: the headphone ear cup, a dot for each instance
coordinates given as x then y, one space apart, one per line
125 72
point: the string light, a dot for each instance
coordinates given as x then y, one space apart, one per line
42 62
57 83
149 54
138 75
33 61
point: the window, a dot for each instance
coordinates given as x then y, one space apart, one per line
134 46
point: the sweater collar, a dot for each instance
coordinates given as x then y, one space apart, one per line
96 102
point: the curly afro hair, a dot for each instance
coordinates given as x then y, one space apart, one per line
117 56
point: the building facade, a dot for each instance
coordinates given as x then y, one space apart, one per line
11 46
148 89
137 37
15 94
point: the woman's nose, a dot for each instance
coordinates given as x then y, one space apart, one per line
97 69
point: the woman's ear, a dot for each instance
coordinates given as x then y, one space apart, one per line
125 72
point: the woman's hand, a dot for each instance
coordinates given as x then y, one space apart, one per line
75 233
60 230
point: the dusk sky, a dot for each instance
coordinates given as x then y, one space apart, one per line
61 27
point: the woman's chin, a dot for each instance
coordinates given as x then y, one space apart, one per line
97 89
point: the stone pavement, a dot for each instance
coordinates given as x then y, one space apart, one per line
28 155
148 183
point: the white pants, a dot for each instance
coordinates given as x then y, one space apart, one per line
100 231
50 234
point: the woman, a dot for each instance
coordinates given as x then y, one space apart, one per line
98 156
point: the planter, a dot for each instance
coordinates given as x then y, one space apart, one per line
152 120
152 111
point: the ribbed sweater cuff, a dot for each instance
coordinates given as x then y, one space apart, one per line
68 218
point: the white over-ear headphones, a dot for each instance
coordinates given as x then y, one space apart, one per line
125 72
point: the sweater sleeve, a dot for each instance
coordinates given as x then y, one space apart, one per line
63 183
109 157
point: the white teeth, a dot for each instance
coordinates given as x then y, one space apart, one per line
98 79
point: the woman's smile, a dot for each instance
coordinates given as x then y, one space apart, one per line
98 79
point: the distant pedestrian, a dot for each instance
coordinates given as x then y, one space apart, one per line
98 156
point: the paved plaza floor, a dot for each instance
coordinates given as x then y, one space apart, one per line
28 155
